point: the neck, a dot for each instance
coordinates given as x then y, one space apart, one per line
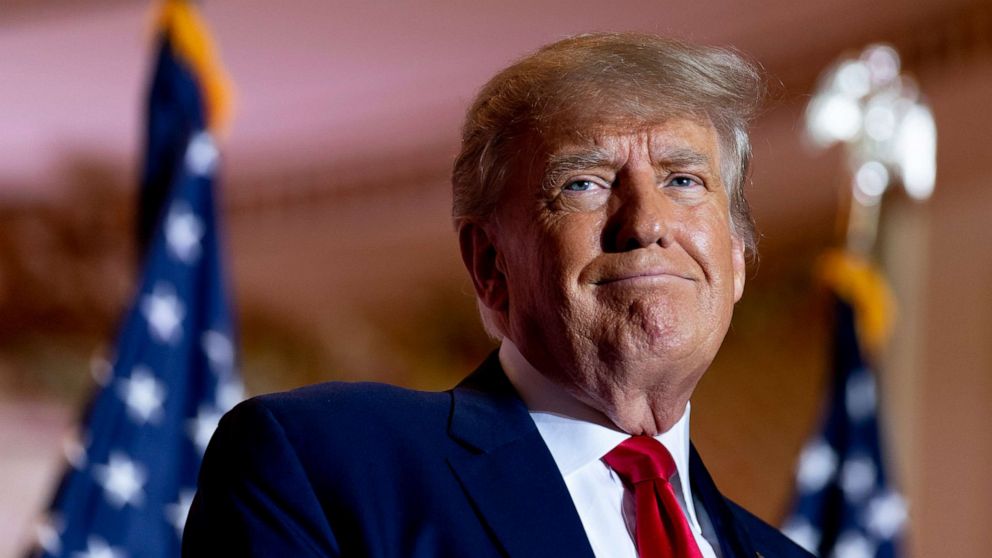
634 411
639 413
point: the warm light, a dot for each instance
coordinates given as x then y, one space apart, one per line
833 118
879 116
880 121
882 62
916 152
870 182
853 79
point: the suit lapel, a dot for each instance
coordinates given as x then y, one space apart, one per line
508 472
734 539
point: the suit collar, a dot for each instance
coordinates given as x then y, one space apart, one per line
487 412
576 434
734 539
507 470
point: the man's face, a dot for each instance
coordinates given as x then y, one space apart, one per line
618 259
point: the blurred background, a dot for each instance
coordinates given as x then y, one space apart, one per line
344 265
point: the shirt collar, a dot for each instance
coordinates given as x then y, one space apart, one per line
577 434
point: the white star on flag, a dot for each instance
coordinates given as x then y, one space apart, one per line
164 312
230 393
179 511
857 477
96 547
143 395
803 533
201 428
859 396
817 464
219 351
183 232
201 154
122 480
853 545
886 515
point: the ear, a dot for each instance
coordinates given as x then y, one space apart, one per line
482 259
740 266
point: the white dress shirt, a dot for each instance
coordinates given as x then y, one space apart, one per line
578 437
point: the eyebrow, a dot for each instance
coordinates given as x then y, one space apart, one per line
562 164
682 157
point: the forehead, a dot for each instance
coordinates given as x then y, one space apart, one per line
676 142
673 135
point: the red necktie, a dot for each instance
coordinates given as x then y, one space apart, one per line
661 531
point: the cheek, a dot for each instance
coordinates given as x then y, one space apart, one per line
710 240
569 243
711 244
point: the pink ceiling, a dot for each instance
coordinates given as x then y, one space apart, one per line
343 81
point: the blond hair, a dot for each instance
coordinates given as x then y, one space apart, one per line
624 81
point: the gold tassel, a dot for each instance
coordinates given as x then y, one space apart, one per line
858 283
191 42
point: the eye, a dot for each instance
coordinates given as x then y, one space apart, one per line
580 193
581 185
683 181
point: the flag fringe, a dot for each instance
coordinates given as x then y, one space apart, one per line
188 35
857 282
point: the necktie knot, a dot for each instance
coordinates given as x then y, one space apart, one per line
641 458
661 528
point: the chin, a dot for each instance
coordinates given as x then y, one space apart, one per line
644 349
660 325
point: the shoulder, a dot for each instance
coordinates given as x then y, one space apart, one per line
300 469
334 433
336 409
767 540
341 399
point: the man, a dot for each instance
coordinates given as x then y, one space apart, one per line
598 199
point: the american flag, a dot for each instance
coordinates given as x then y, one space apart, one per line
845 505
132 468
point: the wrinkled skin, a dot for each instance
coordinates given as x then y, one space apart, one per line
612 264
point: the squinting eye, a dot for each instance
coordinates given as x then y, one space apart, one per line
580 186
683 181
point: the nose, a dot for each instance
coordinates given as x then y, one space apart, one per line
641 218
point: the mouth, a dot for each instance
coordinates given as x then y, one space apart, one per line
643 277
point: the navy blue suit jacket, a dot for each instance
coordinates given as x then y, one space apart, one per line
374 470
